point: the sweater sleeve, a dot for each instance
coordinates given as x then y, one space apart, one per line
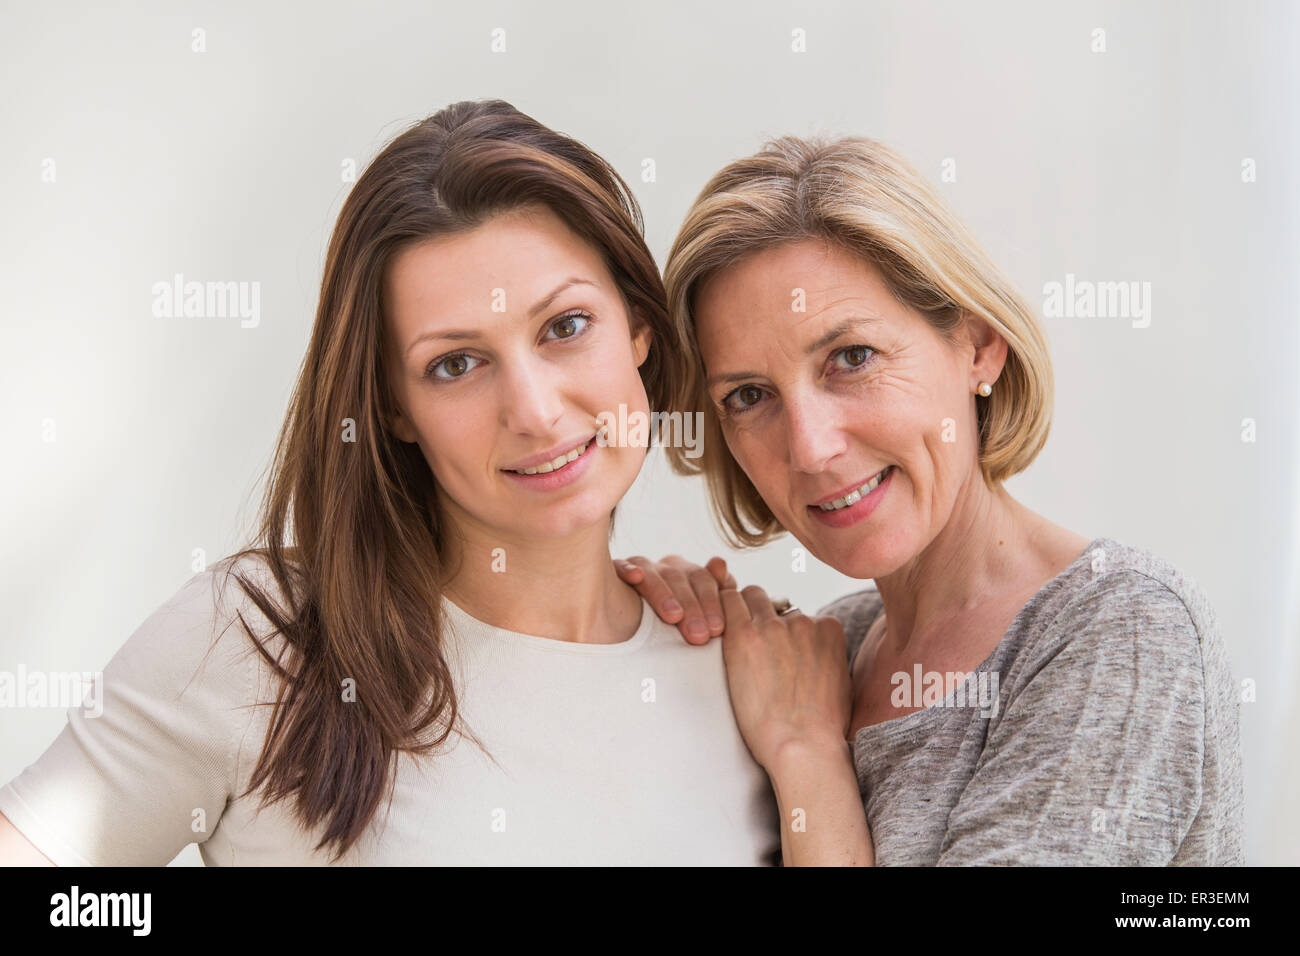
1097 756
147 768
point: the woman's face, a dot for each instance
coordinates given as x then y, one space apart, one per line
824 383
507 342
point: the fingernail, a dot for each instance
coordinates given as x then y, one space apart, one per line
671 606
696 628
716 622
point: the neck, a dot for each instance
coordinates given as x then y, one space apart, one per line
990 546
559 587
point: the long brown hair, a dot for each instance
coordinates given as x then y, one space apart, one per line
349 528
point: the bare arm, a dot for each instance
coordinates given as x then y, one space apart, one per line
16 849
789 683
823 822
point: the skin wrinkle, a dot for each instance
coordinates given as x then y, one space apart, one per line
957 564
819 428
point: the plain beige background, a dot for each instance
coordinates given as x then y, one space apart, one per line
1122 165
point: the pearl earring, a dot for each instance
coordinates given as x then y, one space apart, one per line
985 389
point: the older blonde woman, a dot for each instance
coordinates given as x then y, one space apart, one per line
1013 692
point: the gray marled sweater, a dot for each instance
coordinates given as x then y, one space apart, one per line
1102 730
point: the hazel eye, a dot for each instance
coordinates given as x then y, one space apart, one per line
743 398
855 355
455 366
569 326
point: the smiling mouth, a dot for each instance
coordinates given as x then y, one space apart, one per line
857 494
555 464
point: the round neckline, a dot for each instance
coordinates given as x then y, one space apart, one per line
907 721
550 644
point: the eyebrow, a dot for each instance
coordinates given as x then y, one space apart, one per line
459 334
835 332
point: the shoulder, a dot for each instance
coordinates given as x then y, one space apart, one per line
1127 585
1128 604
202 630
246 583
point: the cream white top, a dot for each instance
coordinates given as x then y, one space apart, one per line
608 754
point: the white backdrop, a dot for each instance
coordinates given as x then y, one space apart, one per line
1161 150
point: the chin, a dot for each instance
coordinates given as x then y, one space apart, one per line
864 555
562 517
563 522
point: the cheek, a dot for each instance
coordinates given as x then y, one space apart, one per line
456 438
753 453
918 430
609 380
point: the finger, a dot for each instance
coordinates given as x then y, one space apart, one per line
735 608
718 568
706 590
760 605
656 591
628 571
694 624
830 626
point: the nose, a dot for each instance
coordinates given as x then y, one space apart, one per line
813 429
530 402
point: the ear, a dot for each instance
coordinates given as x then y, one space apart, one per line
987 350
642 336
401 426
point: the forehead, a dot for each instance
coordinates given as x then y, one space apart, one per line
796 288
819 272
522 252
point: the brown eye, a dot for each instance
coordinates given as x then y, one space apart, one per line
743 398
453 366
568 326
855 356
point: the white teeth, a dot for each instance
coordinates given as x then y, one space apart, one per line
853 497
555 464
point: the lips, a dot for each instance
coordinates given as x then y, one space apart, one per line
552 460
856 504
855 494
536 480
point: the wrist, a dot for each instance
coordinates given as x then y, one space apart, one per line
801 755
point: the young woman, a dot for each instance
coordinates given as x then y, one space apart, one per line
1013 692
429 658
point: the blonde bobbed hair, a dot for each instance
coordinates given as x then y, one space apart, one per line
864 196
